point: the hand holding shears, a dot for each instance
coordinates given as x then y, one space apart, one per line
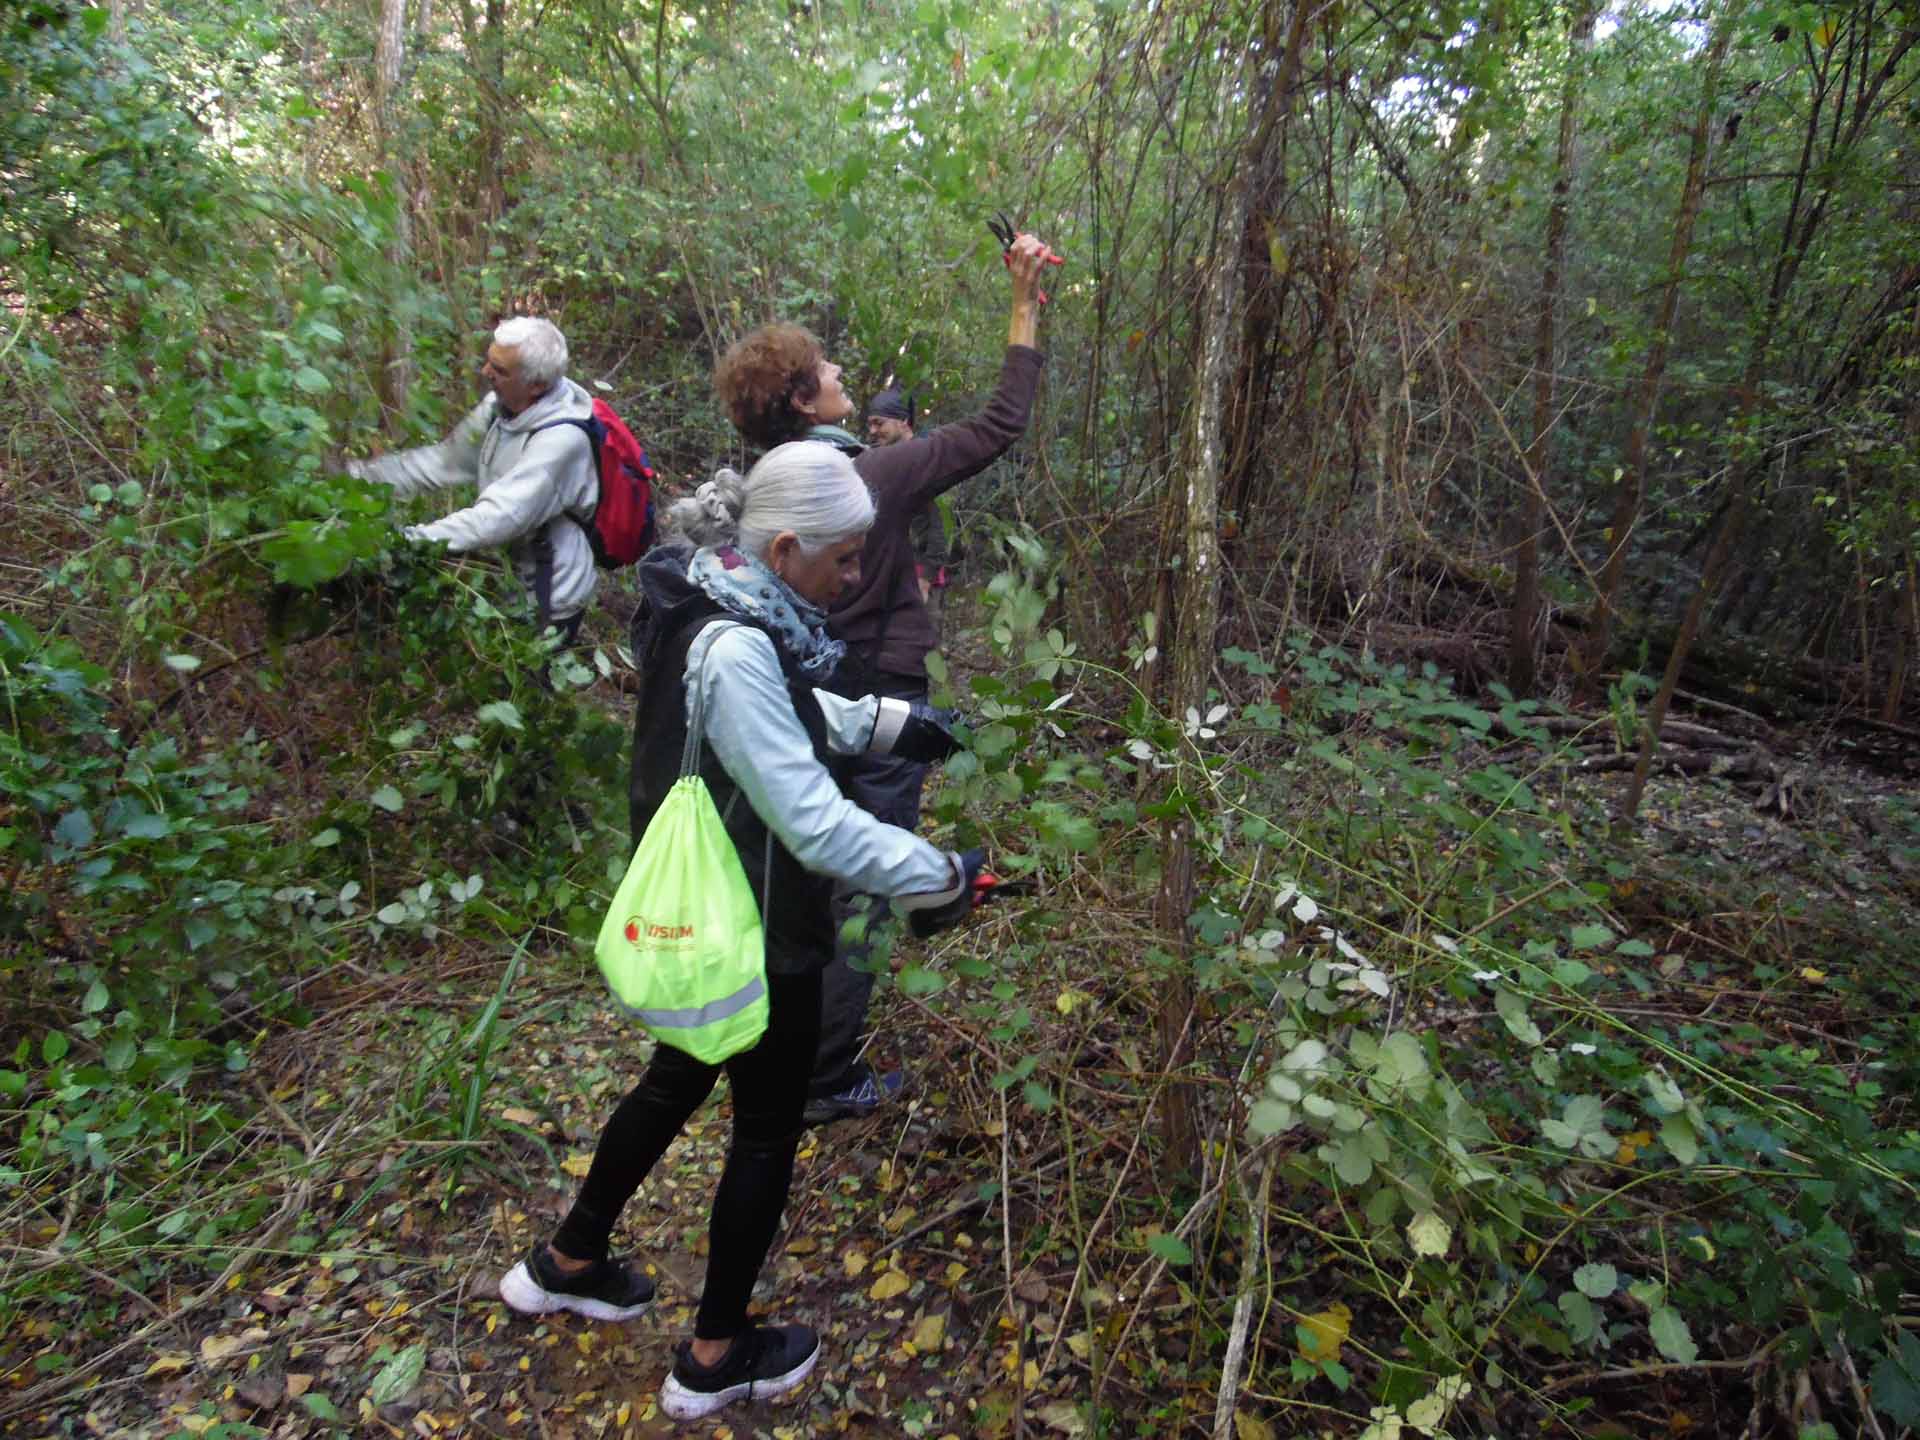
1022 253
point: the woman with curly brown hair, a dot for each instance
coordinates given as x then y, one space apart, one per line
777 384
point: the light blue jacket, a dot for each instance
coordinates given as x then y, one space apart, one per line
737 693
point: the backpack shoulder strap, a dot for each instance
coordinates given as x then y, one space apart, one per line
543 546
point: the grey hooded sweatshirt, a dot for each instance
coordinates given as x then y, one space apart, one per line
528 484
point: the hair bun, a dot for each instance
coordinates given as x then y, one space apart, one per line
720 497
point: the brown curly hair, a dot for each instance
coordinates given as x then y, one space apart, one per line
760 377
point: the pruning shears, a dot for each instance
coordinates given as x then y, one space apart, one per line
989 886
1001 224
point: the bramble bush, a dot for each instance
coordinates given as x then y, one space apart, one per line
1408 912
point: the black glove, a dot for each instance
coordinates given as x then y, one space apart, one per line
929 914
913 730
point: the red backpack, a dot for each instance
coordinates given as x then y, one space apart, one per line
621 529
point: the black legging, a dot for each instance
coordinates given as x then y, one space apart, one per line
769 1092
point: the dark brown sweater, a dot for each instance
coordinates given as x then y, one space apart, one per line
883 619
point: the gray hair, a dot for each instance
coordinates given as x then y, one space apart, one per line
804 486
540 345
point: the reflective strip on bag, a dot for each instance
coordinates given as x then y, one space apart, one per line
692 1017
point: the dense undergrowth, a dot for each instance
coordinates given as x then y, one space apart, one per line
1505 1121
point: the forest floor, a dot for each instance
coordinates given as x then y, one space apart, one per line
892 1248
943 1312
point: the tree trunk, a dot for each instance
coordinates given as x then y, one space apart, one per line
396 347
1633 483
1190 643
1524 636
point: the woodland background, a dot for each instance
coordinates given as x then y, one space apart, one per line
1444 653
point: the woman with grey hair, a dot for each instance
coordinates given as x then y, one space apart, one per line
733 639
524 451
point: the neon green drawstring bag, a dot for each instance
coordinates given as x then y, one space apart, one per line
683 946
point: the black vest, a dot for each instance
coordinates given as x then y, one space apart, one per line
795 902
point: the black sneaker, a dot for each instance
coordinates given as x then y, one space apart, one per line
860 1099
766 1361
605 1290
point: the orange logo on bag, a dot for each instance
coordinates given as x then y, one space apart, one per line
639 928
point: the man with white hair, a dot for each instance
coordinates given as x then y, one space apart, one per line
524 449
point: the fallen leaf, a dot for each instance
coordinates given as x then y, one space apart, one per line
577 1165
216 1348
1321 1334
1033 1290
897 1221
262 1390
1064 1416
297 1385
802 1245
855 1262
517 1116
1631 1145
1811 975
1428 1234
930 1332
1250 1427
167 1363
890 1284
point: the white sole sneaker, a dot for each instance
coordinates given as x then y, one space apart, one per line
684 1404
527 1295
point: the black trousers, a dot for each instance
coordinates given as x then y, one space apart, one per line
889 790
768 1095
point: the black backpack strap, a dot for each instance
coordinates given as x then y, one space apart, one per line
543 579
543 547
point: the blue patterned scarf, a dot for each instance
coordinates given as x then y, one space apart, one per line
742 585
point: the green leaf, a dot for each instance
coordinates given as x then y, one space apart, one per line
1171 1248
917 980
992 741
1591 937
320 1407
1663 1093
1270 1117
1038 1096
185 664
1512 1008
1582 1319
1597 1280
504 713
313 381
1671 1337
1676 1133
1350 1160
388 799
74 830
1896 1382
325 839
391 914
96 999
399 1376
54 1046
1583 1125
149 827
